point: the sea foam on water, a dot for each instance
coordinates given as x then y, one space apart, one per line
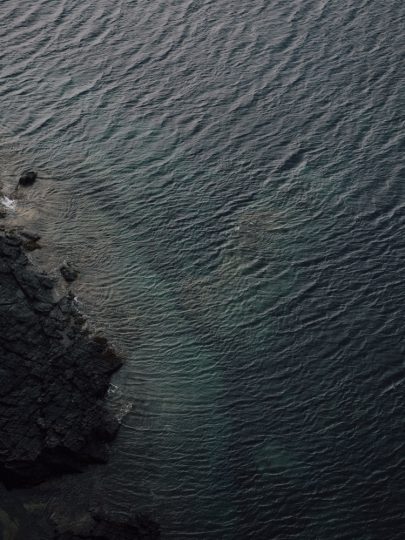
8 203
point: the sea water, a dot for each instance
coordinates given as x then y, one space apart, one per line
228 176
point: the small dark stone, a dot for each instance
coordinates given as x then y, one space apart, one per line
27 178
69 273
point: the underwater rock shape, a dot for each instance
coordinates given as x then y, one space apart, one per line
30 240
69 273
101 526
30 235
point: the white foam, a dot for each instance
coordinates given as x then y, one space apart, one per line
8 203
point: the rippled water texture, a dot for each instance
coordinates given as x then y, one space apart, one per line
229 177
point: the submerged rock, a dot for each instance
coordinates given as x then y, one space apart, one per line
30 240
101 526
27 178
69 273
54 377
30 235
16 523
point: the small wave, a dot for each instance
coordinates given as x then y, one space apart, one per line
120 406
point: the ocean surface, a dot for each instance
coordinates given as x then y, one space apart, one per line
229 178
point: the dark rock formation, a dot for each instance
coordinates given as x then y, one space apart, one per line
69 273
27 178
53 377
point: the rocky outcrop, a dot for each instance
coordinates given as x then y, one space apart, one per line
54 377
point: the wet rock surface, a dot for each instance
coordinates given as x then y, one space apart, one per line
54 377
27 178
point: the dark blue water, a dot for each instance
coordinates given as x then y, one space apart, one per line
229 177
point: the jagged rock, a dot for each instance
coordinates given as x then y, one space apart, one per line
54 377
69 273
27 178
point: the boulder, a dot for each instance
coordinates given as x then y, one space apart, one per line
27 178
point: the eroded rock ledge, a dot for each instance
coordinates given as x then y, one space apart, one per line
54 377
